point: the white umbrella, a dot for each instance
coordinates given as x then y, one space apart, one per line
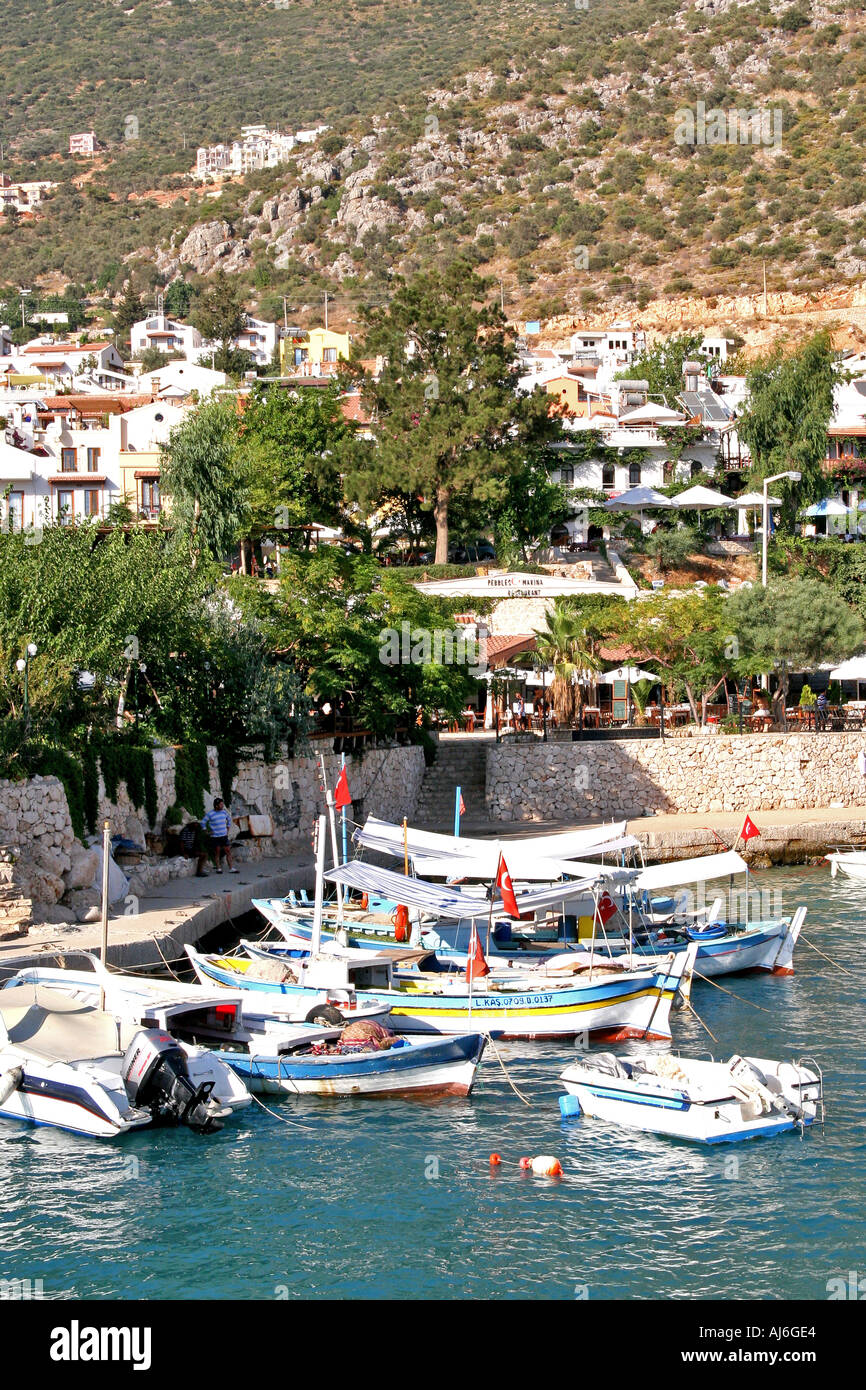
756 499
828 507
630 674
637 497
702 499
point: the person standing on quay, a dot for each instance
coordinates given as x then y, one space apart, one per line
217 824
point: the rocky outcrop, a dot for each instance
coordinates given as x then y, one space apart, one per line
211 246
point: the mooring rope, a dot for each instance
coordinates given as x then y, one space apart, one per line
834 963
752 1005
282 1118
690 1006
514 1088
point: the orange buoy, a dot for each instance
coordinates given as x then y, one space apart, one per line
526 1163
546 1166
495 1160
401 923
365 902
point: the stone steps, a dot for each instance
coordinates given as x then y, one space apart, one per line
463 765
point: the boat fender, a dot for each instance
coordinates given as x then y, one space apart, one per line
401 923
10 1081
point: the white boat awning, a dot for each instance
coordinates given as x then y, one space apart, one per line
691 871
387 838
444 901
521 864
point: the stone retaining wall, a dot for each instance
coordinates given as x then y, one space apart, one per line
46 874
712 772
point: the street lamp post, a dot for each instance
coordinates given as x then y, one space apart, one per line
795 478
23 664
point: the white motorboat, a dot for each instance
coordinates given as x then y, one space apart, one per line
851 862
75 1066
273 1052
694 1098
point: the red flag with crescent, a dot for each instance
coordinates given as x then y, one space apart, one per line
506 888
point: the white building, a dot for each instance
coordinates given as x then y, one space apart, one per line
259 338
165 335
83 143
24 197
62 362
257 148
68 458
176 381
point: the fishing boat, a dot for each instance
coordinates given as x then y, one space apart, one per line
562 899
575 996
693 1098
851 862
72 1065
339 1066
568 996
275 1052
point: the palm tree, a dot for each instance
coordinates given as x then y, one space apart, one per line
564 644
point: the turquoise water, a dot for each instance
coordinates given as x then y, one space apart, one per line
396 1199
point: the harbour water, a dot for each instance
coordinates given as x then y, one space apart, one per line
397 1199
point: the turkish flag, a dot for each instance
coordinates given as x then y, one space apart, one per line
462 805
504 884
476 965
606 908
342 795
749 830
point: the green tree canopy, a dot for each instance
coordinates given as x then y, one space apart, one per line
792 625
785 424
204 473
448 422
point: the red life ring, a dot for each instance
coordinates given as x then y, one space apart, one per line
401 923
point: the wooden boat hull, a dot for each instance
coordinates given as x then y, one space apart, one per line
767 946
617 1005
432 1066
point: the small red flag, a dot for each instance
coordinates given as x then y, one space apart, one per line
476 965
749 830
606 908
504 884
342 795
462 805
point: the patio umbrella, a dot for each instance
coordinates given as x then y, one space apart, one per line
630 674
755 500
700 498
637 498
828 506
854 669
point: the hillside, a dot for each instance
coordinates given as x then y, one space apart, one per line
540 138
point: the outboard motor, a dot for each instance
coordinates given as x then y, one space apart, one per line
156 1077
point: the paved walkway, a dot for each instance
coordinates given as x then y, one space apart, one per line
182 911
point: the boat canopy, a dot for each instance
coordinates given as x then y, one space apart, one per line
388 838
687 871
444 901
522 863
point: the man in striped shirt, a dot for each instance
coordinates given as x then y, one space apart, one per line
216 825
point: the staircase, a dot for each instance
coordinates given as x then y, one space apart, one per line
461 761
